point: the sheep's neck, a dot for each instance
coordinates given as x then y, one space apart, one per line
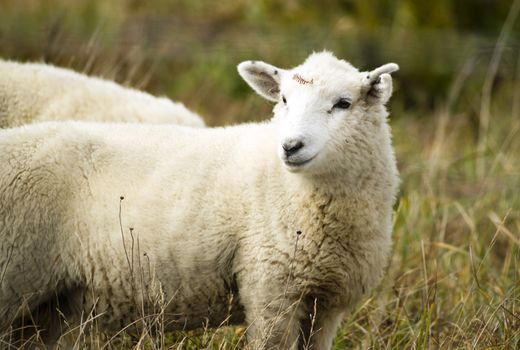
338 202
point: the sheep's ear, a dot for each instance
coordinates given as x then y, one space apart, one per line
262 77
378 83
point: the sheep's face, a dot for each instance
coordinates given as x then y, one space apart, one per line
318 105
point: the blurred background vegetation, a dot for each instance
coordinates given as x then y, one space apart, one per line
188 49
454 277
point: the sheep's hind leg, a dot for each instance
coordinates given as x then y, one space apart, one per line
43 325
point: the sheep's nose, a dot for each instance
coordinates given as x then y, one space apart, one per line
291 147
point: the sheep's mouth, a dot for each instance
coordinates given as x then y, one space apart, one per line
298 163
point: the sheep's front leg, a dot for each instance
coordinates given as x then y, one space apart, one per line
273 319
273 327
272 300
319 329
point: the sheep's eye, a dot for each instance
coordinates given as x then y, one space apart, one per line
343 103
284 99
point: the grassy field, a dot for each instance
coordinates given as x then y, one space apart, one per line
454 278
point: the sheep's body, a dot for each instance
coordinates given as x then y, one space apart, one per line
34 92
213 223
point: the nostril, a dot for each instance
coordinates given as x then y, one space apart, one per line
292 147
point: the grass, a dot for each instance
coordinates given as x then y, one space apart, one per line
454 278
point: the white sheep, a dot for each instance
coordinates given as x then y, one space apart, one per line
33 92
230 230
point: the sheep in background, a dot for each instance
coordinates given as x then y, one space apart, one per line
283 225
33 92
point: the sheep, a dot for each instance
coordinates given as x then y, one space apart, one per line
32 92
282 225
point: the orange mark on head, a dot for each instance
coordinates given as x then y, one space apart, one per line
302 81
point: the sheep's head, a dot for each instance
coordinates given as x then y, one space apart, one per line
319 104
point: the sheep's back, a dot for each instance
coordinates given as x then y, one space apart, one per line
39 92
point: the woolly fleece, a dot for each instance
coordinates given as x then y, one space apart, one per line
33 92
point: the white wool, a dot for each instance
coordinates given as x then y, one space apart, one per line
33 92
227 225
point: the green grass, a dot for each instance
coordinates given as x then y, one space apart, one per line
454 278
